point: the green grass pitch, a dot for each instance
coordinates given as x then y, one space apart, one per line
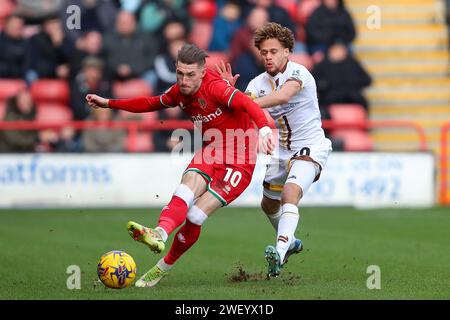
411 247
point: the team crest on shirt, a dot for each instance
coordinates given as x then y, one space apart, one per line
202 103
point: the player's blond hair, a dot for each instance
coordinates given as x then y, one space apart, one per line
274 30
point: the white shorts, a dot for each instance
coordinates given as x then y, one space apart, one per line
279 169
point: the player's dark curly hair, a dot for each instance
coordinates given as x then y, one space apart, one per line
191 54
273 30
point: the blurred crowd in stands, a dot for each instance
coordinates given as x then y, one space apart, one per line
125 48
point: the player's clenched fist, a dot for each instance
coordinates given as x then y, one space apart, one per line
267 143
96 101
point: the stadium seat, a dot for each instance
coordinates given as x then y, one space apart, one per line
204 10
347 113
201 34
215 58
143 142
53 113
300 33
131 88
354 139
50 90
2 110
302 58
305 8
10 87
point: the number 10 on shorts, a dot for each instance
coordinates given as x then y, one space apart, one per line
233 176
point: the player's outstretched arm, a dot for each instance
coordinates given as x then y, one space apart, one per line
137 105
282 96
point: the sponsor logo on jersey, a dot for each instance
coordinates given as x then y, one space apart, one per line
209 117
227 91
292 177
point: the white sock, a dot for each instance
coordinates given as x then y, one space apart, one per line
163 265
162 233
185 193
274 219
196 215
286 228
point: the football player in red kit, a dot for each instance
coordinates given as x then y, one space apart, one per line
218 173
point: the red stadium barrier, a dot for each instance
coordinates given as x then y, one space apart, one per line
444 197
134 126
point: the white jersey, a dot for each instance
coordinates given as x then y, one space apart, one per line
299 121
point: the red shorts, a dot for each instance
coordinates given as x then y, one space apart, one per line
225 181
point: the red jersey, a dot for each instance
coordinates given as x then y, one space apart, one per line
217 106
211 106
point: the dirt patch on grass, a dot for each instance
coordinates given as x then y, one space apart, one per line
242 275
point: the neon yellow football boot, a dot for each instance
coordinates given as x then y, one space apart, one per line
151 278
147 236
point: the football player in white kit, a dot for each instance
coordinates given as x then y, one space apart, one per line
288 90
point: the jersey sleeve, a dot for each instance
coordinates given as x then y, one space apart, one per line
169 98
222 92
137 105
296 74
252 90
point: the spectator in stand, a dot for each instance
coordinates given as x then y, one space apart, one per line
153 15
447 17
329 22
88 45
13 48
276 13
247 66
90 79
340 78
103 139
243 39
96 15
19 108
165 65
130 54
173 30
66 140
49 52
225 24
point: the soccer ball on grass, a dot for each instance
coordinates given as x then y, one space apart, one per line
116 269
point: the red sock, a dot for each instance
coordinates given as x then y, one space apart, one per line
173 215
183 240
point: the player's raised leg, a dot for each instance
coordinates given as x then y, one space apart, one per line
172 215
185 238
